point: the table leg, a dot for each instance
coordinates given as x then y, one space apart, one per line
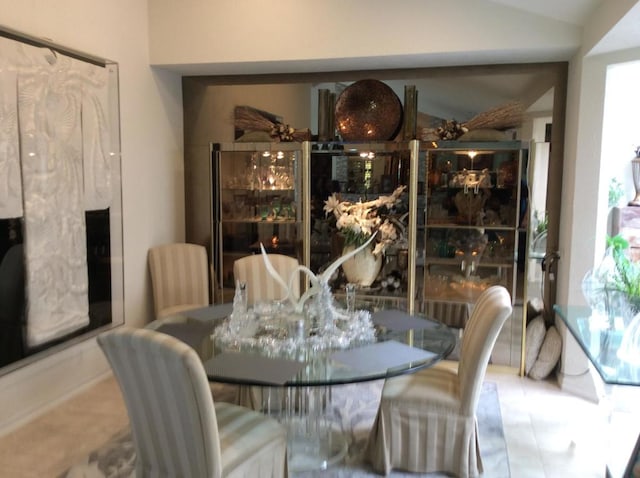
314 440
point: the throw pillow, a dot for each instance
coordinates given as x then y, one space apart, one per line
548 356
536 330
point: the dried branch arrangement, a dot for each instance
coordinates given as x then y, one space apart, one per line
501 117
250 119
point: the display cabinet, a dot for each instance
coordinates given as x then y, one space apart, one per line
364 172
461 217
256 199
465 224
472 228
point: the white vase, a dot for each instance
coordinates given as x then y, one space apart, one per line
363 268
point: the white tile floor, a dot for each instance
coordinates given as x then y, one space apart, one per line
549 433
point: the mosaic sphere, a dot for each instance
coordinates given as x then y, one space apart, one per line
368 110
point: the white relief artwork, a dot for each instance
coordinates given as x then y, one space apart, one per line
95 138
10 185
63 166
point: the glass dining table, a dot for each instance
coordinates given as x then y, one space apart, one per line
295 385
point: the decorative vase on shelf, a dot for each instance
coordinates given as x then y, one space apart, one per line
363 268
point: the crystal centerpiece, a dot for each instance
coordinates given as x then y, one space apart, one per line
295 327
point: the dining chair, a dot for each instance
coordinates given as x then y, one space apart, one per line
180 282
260 285
179 278
426 421
178 430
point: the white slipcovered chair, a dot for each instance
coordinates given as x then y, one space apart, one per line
179 278
450 313
178 430
260 285
427 420
180 282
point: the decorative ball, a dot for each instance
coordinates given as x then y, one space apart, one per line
368 110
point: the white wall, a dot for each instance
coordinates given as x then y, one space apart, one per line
593 154
153 192
256 36
621 136
588 166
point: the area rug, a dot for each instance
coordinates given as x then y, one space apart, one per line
354 408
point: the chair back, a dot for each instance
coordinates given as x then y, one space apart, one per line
489 314
179 277
167 394
260 285
452 314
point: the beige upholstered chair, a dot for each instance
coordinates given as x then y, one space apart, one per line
450 313
180 281
260 285
179 277
178 430
427 420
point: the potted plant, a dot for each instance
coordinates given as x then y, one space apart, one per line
613 287
626 274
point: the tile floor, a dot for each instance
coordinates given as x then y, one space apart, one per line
549 433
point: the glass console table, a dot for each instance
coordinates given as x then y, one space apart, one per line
602 343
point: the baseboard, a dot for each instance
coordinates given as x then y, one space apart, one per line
30 391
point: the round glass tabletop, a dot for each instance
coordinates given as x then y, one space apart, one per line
402 344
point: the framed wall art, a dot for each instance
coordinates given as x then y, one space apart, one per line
61 271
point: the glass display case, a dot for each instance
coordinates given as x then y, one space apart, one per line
472 219
473 229
256 199
362 172
460 219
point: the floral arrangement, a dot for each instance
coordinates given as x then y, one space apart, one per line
451 129
360 220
